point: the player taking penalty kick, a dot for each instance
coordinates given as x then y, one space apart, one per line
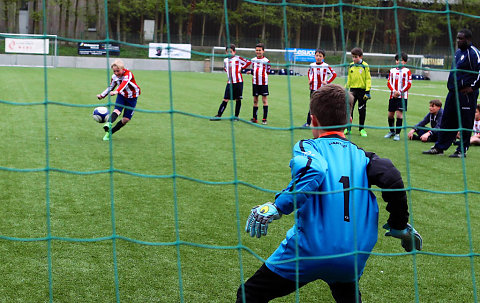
127 93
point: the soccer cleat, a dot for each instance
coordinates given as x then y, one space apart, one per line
216 118
346 131
396 137
363 133
306 125
458 154
236 118
433 151
107 126
389 135
264 121
253 120
106 137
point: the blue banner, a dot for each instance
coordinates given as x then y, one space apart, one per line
300 55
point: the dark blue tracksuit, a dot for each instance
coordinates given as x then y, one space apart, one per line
468 60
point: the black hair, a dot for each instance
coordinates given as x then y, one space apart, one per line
321 51
403 55
466 33
231 46
260 45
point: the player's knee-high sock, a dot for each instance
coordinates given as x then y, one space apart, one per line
255 110
222 107
362 113
117 126
309 119
399 125
238 105
265 112
113 117
390 123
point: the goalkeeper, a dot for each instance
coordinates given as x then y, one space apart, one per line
336 213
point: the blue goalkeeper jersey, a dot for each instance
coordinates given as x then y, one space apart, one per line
335 230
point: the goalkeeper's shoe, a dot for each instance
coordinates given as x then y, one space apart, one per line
107 126
106 137
260 217
409 237
264 121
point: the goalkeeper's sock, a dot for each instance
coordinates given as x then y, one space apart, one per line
113 117
265 112
117 126
238 105
390 123
399 125
222 107
255 110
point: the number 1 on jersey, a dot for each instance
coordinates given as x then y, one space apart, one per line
346 197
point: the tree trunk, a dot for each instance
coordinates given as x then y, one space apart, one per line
413 45
204 20
193 3
374 32
180 30
162 24
334 38
119 18
220 31
142 28
298 31
67 18
320 25
60 18
75 21
155 27
263 23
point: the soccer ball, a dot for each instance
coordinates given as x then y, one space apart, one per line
100 114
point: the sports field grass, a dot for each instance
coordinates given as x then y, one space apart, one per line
178 238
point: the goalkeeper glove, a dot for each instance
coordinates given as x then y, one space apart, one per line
406 236
367 96
260 217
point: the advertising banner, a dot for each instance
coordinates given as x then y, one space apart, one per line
300 55
27 46
98 49
177 51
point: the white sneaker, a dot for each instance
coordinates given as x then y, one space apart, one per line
389 135
396 137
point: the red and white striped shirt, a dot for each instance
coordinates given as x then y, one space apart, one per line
319 73
399 79
126 85
233 66
261 69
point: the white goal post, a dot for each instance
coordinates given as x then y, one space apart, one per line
276 56
29 50
378 61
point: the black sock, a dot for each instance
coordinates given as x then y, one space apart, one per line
399 125
113 117
265 112
238 105
255 110
390 123
117 126
222 107
309 119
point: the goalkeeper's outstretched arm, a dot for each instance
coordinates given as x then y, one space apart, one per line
382 173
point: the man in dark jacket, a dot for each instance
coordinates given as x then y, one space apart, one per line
463 83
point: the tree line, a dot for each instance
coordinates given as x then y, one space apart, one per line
375 25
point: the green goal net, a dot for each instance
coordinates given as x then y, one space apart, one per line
157 214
